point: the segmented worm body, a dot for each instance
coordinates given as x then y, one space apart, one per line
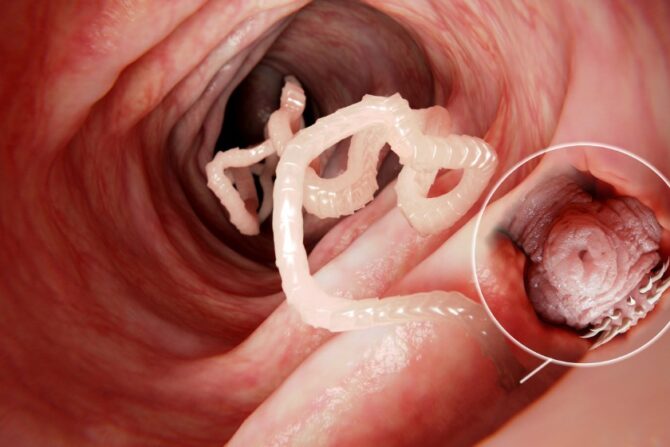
235 189
402 130
355 187
422 141
229 173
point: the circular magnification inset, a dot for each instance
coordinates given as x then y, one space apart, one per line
572 263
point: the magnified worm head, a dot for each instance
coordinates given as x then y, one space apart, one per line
588 258
593 257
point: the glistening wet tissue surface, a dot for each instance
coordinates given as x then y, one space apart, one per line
333 223
591 260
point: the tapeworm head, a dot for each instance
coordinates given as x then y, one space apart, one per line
592 264
593 256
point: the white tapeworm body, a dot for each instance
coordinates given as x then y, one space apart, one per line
279 130
332 197
355 187
432 215
222 185
317 308
233 190
372 123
